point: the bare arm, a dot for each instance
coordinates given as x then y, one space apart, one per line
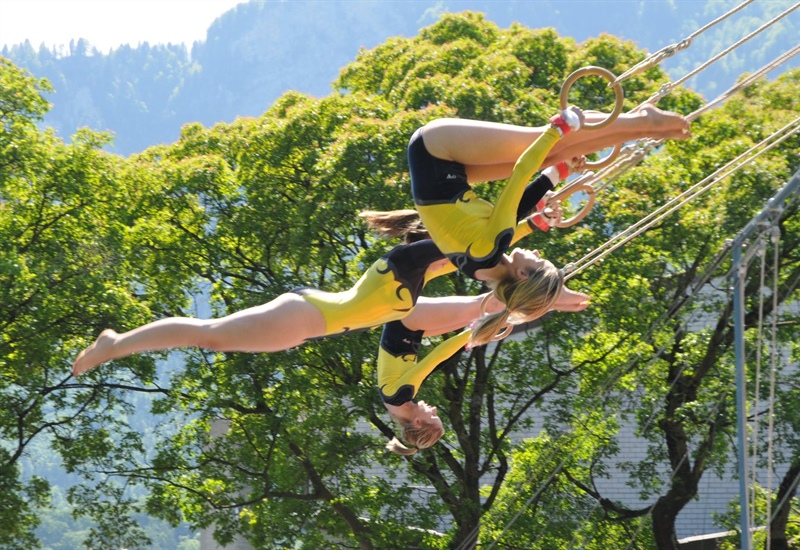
438 316
442 315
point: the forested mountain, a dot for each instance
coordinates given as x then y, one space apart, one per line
259 50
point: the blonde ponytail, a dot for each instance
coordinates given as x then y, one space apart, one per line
398 448
420 437
525 300
396 223
488 327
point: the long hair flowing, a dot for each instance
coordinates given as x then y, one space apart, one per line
525 300
420 437
396 223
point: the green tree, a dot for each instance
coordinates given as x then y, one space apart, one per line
292 447
280 447
64 271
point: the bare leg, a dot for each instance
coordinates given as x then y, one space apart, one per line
285 322
489 149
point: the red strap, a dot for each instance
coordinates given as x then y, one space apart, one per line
559 122
539 221
563 170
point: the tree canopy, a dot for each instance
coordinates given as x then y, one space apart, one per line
257 51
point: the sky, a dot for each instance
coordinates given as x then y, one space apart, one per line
108 24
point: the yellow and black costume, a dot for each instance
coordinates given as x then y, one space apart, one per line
399 373
387 291
471 232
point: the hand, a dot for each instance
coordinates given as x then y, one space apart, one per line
546 218
574 116
569 120
571 301
576 165
553 214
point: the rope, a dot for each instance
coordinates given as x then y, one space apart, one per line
667 88
659 214
669 51
790 289
630 155
670 312
761 247
746 82
668 315
699 283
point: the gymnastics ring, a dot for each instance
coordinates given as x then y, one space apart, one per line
569 190
620 98
503 332
603 162
597 71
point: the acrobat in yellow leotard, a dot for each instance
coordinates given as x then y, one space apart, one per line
387 291
470 231
399 373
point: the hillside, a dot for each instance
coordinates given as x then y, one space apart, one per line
259 50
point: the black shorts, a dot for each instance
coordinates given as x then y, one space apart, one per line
434 180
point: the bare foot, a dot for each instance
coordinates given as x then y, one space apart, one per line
98 352
666 124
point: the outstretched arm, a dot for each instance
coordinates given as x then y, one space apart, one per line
437 316
530 161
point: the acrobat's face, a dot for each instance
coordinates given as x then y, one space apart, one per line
524 262
427 415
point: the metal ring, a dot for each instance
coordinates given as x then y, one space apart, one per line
597 71
602 163
568 192
504 331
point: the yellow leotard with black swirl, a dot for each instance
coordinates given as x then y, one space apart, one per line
471 232
399 373
387 291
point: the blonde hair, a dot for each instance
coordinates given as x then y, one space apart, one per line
396 223
420 437
524 299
